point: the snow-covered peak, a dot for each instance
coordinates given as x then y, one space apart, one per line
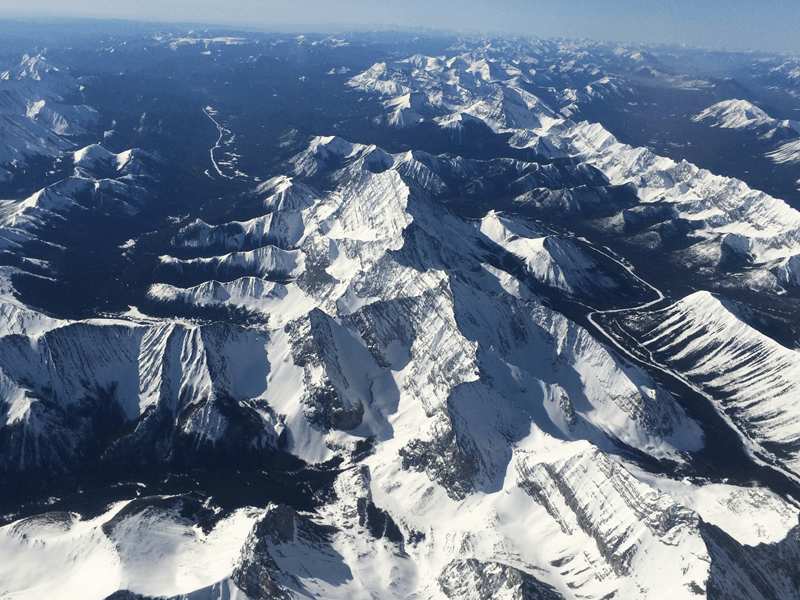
33 67
96 159
735 114
720 205
35 118
488 89
741 114
324 153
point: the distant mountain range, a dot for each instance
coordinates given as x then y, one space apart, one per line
383 316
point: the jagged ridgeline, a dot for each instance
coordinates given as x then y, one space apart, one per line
385 316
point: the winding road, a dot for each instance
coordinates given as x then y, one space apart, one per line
768 474
222 131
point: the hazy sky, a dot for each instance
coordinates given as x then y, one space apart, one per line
737 24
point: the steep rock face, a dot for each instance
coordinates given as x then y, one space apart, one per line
257 574
474 579
630 518
327 401
290 556
706 340
764 571
131 393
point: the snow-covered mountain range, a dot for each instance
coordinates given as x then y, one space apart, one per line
741 114
436 326
37 120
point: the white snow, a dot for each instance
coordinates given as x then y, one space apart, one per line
755 379
148 552
735 114
788 153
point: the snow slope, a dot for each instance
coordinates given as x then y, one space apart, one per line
741 114
752 378
36 119
145 547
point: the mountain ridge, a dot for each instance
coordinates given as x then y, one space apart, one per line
412 330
